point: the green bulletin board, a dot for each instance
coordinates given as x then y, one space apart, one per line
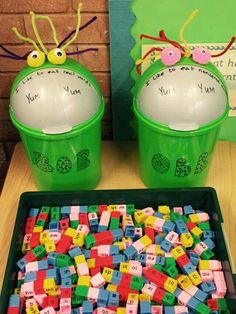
215 23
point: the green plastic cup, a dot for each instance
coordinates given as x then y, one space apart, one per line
174 157
61 160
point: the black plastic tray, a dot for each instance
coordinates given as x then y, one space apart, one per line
200 198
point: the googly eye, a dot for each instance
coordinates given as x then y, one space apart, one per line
201 55
170 55
56 56
35 59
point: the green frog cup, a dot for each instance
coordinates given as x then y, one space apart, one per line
57 107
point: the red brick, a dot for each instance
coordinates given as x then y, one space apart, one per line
91 5
3 168
14 65
8 132
104 82
6 23
6 80
97 32
2 153
4 109
24 6
95 61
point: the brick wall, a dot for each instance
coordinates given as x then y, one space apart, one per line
63 14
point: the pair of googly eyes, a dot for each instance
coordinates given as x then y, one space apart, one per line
171 55
54 56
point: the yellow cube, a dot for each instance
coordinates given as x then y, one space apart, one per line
197 231
133 297
186 239
204 265
17 290
78 239
170 285
84 281
112 208
166 217
139 216
50 246
54 292
146 240
194 218
184 282
33 309
111 287
120 245
144 297
38 229
70 232
91 262
49 284
177 252
124 267
195 278
107 274
121 310
79 259
44 237
164 209
159 251
150 221
25 248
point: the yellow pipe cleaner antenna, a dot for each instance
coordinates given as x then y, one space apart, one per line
77 28
33 21
182 29
46 17
27 39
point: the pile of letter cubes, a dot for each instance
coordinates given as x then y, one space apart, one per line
109 259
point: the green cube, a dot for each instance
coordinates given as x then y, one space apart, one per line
130 209
39 251
174 216
74 278
184 218
40 223
157 267
171 271
19 283
89 241
222 303
63 260
82 291
170 261
114 223
202 309
204 225
137 283
74 224
55 213
76 300
93 209
169 299
207 254
45 209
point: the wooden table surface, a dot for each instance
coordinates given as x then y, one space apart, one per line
120 171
